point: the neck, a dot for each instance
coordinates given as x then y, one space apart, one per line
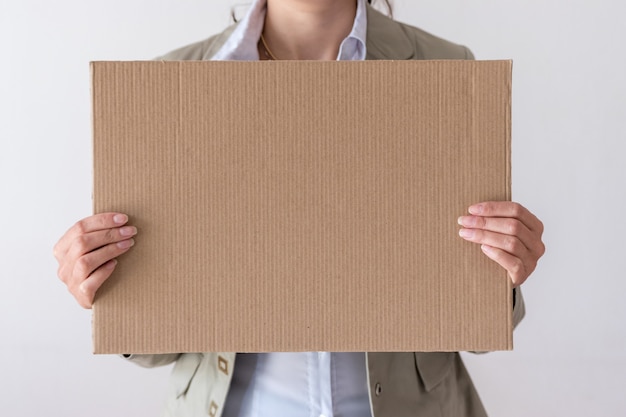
308 30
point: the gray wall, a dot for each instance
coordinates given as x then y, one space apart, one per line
568 146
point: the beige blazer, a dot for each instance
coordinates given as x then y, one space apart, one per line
400 384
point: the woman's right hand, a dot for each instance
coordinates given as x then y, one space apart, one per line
86 253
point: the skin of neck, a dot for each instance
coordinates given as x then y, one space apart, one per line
308 29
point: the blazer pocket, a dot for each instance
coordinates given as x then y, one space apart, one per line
186 367
433 367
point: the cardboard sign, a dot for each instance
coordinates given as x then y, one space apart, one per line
301 206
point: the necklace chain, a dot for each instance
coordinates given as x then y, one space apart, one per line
268 53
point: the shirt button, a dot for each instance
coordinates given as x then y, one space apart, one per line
378 389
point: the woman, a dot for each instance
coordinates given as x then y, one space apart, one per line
314 383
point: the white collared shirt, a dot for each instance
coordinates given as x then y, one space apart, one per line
296 384
242 43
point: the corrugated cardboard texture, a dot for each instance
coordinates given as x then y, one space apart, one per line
301 206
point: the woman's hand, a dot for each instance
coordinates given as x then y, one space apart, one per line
508 233
86 253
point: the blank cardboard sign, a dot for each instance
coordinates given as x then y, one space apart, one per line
301 206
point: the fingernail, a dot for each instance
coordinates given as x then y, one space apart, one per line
466 233
476 209
120 218
83 288
125 244
111 264
467 221
128 231
486 249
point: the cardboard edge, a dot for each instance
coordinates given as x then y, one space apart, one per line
92 94
509 183
92 75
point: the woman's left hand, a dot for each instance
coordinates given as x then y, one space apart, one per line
508 233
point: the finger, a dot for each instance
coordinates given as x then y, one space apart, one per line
86 291
88 224
517 270
507 209
88 263
505 226
507 250
87 242
507 243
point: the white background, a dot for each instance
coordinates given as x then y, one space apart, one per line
569 133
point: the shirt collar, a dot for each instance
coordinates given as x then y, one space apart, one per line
242 43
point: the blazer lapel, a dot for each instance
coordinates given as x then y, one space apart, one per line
218 42
386 39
